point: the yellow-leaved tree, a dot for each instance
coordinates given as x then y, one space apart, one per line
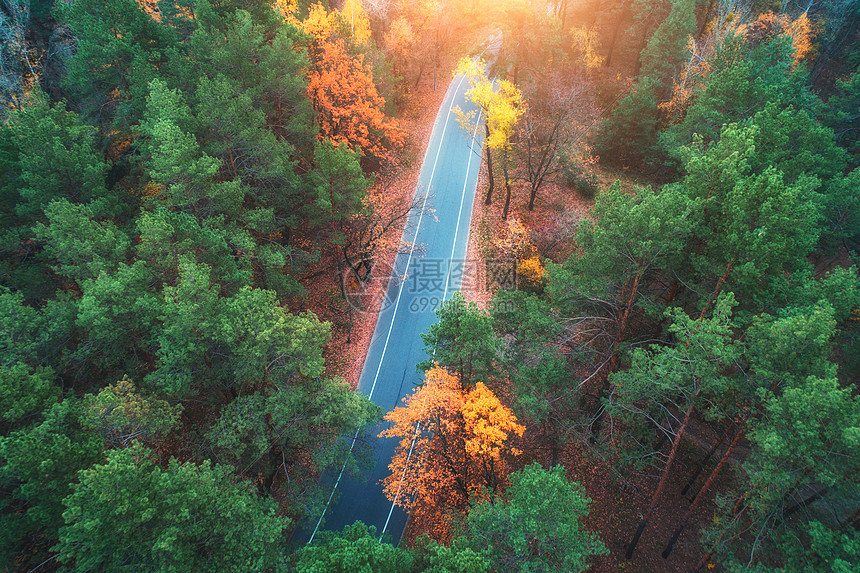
354 13
454 445
501 109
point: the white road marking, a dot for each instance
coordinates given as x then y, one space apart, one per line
396 303
444 295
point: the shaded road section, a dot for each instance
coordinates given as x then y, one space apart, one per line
428 272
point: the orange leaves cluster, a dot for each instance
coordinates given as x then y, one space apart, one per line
350 110
341 90
453 445
770 25
512 243
531 271
512 239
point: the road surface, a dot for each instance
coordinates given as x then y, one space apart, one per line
433 270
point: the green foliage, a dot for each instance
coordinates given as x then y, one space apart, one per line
25 391
805 447
77 245
461 340
355 549
129 513
30 353
339 183
628 137
810 432
185 176
37 466
47 154
631 234
693 370
668 46
122 414
56 158
536 527
751 226
256 340
22 330
840 113
259 432
116 314
742 81
167 237
249 83
826 549
432 557
541 383
119 51
791 141
786 349
842 210
528 319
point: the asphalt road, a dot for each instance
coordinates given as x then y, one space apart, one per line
434 268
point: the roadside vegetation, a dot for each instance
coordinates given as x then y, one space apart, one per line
196 197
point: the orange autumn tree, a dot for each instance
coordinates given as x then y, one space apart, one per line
341 90
461 448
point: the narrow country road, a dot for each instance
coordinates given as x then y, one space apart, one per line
434 268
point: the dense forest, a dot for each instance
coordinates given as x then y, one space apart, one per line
672 382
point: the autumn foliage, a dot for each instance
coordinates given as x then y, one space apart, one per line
769 25
342 92
513 245
454 445
700 51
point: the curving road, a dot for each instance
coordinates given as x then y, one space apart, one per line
446 186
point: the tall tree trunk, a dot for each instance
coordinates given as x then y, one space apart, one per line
625 9
613 362
673 292
507 185
702 464
699 496
718 289
663 479
489 198
532 197
803 503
